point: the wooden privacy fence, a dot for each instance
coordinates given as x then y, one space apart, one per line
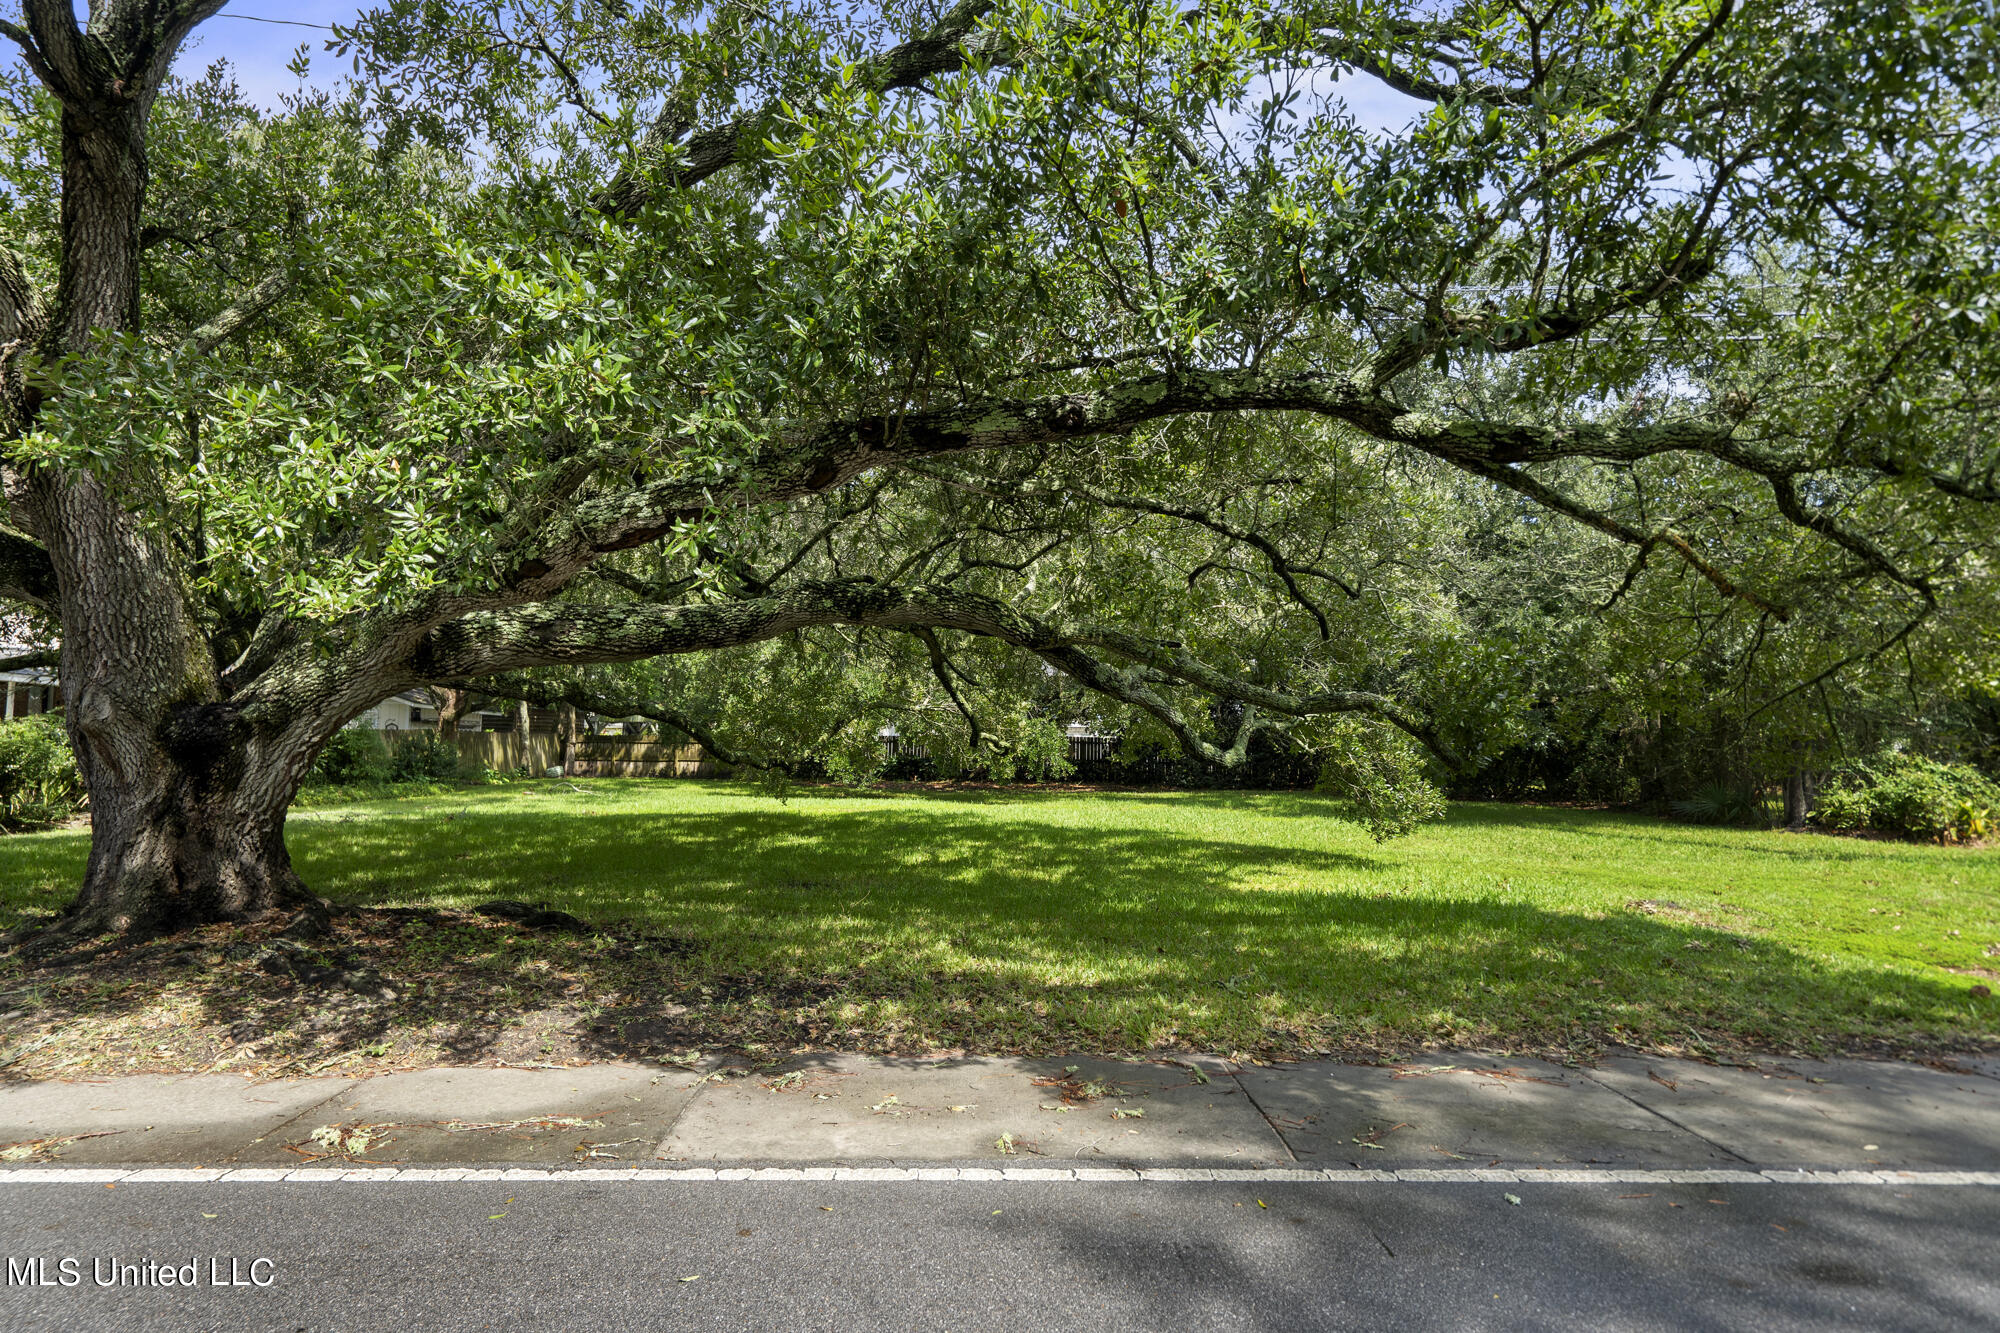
596 756
504 751
636 757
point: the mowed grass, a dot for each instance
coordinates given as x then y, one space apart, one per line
1015 920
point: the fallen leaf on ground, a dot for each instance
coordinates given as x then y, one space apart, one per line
1514 1199
345 1141
48 1147
1079 1091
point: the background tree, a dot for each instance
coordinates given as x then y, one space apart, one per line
996 343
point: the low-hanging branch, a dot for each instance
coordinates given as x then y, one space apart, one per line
1549 497
1281 565
488 643
803 461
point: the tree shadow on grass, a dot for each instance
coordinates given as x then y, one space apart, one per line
918 927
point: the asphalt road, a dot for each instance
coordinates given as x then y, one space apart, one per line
1012 1255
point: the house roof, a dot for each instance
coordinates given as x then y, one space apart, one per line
35 675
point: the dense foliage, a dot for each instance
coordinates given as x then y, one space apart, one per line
39 784
1910 795
777 372
355 755
421 756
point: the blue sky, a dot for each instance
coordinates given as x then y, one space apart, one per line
257 38
257 49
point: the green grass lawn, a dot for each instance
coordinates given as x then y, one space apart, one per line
1011 920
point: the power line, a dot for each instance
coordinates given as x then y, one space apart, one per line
289 23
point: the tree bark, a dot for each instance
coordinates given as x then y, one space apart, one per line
182 849
190 827
451 706
187 797
1799 793
567 738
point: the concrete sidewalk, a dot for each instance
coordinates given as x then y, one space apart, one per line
1448 1112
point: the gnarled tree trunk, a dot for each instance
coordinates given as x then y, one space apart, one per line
195 835
187 799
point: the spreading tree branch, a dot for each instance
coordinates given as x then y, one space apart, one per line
488 643
809 459
239 314
26 572
671 155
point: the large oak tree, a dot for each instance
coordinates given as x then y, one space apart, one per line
1014 343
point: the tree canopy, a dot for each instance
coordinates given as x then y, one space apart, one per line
982 366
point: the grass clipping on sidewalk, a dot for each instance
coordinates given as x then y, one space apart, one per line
1019 921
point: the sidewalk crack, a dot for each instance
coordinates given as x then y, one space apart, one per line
1236 1076
1654 1110
274 1131
695 1091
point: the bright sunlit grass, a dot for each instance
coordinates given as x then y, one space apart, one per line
1021 920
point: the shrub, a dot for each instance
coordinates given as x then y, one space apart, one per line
421 756
354 755
39 782
1911 796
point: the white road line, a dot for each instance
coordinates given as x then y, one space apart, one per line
362 1173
